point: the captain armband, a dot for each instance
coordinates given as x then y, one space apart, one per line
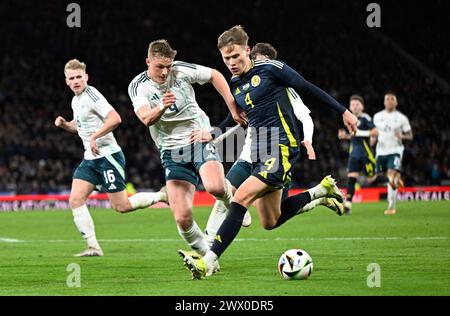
360 133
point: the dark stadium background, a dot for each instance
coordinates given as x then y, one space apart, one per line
326 41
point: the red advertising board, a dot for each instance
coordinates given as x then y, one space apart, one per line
60 201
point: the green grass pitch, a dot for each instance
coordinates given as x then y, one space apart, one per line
412 249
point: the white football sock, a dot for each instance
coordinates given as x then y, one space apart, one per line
392 197
317 192
85 225
311 205
228 196
215 220
209 258
195 238
145 199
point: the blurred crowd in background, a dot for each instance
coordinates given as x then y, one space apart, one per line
328 42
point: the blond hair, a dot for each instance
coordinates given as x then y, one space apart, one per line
162 48
75 64
234 36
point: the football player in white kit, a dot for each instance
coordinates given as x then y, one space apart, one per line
164 100
393 127
103 165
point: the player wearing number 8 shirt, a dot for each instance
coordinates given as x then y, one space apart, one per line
103 165
164 100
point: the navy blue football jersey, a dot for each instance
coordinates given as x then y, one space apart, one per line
359 146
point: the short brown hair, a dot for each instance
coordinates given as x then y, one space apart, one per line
264 49
234 36
357 97
75 64
390 92
162 48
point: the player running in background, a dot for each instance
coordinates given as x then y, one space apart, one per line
361 157
393 127
242 168
259 88
103 165
164 100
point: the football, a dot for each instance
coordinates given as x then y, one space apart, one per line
295 264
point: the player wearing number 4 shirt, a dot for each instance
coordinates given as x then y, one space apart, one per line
103 165
260 89
393 127
164 100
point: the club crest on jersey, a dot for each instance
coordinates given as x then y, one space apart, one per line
256 80
177 83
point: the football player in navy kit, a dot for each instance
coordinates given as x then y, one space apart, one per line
259 88
361 157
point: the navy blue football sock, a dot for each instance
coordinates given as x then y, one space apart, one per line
290 206
229 228
350 188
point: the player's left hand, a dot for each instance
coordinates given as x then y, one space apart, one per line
200 136
309 150
94 148
350 121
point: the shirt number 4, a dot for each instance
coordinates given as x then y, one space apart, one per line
249 101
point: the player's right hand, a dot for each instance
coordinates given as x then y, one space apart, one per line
309 149
60 121
200 136
168 99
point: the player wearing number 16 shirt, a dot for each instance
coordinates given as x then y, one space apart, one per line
94 119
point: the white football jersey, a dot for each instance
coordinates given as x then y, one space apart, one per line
388 124
90 110
177 123
300 109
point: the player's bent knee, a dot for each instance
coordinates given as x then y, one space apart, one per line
184 221
216 190
120 208
76 202
269 225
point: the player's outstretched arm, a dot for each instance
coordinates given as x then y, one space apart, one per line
111 122
291 78
220 84
68 126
